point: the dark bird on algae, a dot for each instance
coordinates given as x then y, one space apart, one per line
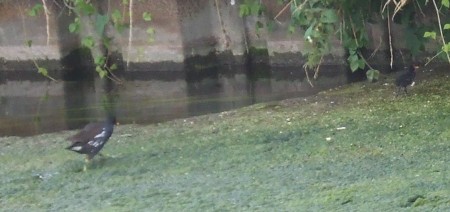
406 79
91 139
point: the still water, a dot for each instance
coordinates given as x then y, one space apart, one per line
33 107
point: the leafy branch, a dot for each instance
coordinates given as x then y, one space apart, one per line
34 11
92 25
321 20
445 46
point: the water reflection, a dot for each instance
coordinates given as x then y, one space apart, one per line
33 107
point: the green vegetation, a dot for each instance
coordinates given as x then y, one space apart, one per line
91 23
322 22
100 43
355 148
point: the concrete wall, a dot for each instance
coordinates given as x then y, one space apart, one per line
183 29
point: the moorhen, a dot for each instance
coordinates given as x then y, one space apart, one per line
91 139
406 79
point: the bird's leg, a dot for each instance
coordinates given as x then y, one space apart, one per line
87 161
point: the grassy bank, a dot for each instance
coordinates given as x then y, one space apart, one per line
355 148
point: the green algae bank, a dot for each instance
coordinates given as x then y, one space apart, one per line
354 148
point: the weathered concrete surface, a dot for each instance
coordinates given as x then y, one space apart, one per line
16 28
183 29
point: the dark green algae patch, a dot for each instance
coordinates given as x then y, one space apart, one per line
354 148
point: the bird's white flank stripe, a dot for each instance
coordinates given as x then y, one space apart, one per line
95 143
77 148
102 134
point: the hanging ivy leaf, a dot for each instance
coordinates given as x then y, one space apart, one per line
430 34
100 61
35 10
329 16
88 42
150 32
43 71
101 72
291 29
446 47
117 20
256 8
309 33
244 10
372 75
75 26
100 23
116 16
147 16
250 7
354 66
361 64
107 42
29 43
113 67
84 8
355 62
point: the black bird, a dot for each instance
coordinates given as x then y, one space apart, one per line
91 139
406 79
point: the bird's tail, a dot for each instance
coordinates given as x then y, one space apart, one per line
74 147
